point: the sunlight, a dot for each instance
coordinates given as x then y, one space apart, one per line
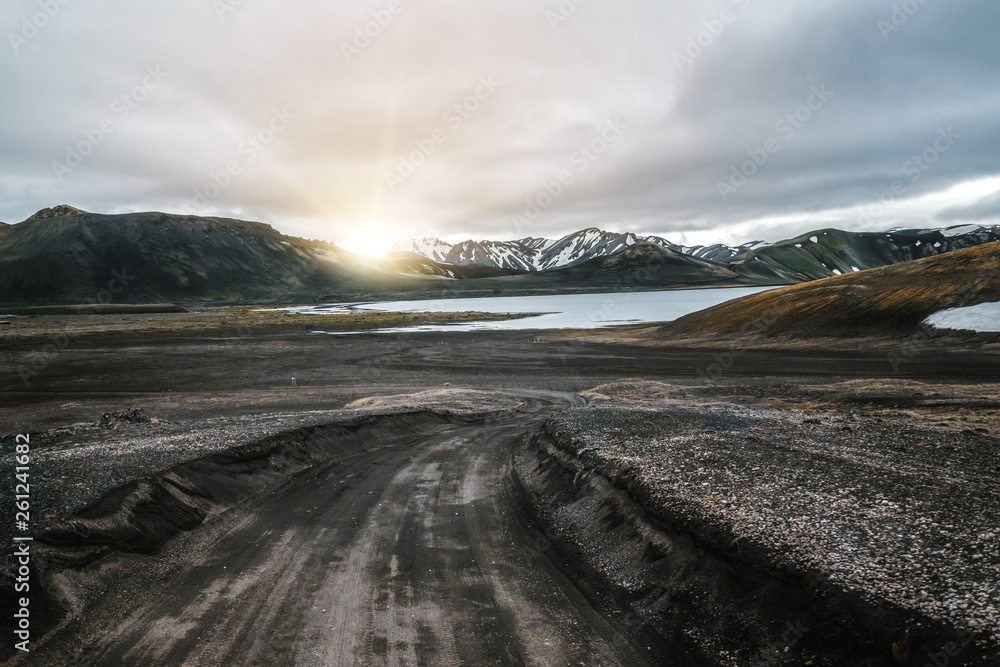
371 239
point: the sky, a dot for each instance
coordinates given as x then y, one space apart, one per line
364 123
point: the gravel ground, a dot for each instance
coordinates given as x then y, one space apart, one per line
895 512
66 478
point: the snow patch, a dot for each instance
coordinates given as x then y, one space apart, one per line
430 248
958 230
982 317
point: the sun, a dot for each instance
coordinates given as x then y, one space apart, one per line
369 239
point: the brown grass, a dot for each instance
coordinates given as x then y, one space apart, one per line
225 321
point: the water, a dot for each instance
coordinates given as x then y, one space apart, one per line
561 311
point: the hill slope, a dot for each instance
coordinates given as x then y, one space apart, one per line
889 300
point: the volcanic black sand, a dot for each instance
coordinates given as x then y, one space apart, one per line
241 494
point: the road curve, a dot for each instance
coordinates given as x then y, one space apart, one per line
411 552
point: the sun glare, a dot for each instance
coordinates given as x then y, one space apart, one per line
370 240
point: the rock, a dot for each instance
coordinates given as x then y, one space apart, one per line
127 416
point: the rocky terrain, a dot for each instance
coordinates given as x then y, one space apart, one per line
874 519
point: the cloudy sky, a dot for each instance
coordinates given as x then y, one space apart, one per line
367 122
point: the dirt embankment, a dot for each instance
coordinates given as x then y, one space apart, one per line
753 537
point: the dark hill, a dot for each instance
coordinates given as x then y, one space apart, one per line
84 258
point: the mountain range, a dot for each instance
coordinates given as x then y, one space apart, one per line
538 254
813 255
64 255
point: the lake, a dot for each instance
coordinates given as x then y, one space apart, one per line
561 311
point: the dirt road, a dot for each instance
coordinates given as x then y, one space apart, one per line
413 551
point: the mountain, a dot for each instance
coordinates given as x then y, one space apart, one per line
67 258
63 256
521 255
887 300
583 246
829 252
60 211
814 255
643 265
536 254
715 252
431 248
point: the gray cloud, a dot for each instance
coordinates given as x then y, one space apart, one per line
985 209
688 126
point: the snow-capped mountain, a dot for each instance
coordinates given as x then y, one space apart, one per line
520 255
535 254
430 248
582 246
813 255
715 252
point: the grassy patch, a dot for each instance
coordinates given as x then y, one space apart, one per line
228 322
